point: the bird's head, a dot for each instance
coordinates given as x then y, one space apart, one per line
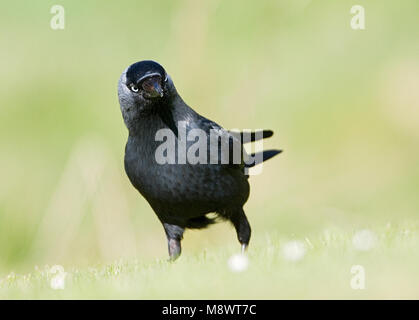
146 79
142 86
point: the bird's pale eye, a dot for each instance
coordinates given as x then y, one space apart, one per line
133 88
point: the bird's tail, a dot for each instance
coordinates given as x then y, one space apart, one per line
255 136
246 137
262 156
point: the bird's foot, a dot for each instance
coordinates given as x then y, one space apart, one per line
244 248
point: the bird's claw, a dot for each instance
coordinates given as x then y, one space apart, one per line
244 248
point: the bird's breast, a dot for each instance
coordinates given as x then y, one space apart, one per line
197 185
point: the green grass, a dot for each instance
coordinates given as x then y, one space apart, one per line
323 273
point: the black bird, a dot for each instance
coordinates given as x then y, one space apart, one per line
181 195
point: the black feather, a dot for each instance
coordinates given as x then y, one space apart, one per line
265 155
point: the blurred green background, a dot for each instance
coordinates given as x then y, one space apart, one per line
344 105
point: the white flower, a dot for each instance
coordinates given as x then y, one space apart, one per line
364 240
57 282
238 262
294 250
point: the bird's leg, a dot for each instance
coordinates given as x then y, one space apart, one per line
239 220
174 249
174 235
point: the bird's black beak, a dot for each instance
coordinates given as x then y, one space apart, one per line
152 86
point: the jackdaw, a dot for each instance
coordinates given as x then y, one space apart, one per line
183 194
